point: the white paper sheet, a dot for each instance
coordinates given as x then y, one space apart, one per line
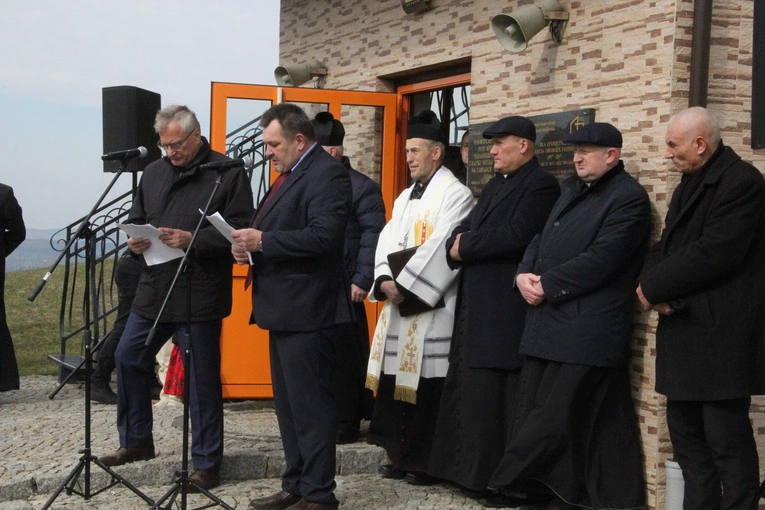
158 252
225 229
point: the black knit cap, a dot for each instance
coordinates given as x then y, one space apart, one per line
425 125
596 133
515 125
327 130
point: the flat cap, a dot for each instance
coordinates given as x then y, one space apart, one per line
515 125
596 133
425 125
327 130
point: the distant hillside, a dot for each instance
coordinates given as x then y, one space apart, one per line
32 254
35 252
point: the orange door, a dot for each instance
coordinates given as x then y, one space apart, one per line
372 145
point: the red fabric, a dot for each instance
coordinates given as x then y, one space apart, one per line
174 375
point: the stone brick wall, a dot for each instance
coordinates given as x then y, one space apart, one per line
628 59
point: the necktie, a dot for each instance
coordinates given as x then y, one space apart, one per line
274 188
417 191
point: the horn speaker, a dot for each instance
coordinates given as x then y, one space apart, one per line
296 75
516 29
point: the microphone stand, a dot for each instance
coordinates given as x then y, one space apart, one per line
183 482
70 483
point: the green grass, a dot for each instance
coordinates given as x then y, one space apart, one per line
34 324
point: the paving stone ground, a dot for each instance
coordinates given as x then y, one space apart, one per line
40 441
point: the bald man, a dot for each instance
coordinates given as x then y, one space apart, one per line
706 279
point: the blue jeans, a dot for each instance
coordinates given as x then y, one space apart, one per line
135 368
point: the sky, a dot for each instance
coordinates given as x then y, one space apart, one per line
56 57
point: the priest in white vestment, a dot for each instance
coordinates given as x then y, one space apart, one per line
409 354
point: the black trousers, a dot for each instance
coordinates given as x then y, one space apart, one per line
354 401
126 275
9 370
302 372
714 445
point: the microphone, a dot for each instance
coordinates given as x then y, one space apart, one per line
140 152
225 165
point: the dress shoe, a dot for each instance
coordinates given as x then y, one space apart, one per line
391 471
204 478
419 478
281 499
305 505
503 501
101 392
125 455
475 494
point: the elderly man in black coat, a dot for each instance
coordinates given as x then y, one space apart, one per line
365 222
575 434
12 234
706 278
484 363
171 191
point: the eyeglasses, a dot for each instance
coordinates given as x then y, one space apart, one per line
175 145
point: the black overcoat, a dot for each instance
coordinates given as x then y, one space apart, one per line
710 266
12 234
170 196
589 256
509 213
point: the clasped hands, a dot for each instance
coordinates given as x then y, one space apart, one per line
531 289
645 305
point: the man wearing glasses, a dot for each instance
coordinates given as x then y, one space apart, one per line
171 192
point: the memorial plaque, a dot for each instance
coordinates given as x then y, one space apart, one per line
555 156
480 163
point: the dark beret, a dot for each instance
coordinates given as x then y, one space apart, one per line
515 125
425 125
327 130
596 133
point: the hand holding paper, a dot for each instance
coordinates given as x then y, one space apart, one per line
158 252
225 229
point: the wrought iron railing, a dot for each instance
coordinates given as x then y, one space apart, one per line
108 241
247 142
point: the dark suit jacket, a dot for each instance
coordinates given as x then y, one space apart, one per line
710 266
510 212
299 280
589 256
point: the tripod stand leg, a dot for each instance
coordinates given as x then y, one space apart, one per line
72 477
116 478
71 480
182 486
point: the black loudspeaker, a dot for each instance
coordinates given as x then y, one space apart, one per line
128 122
